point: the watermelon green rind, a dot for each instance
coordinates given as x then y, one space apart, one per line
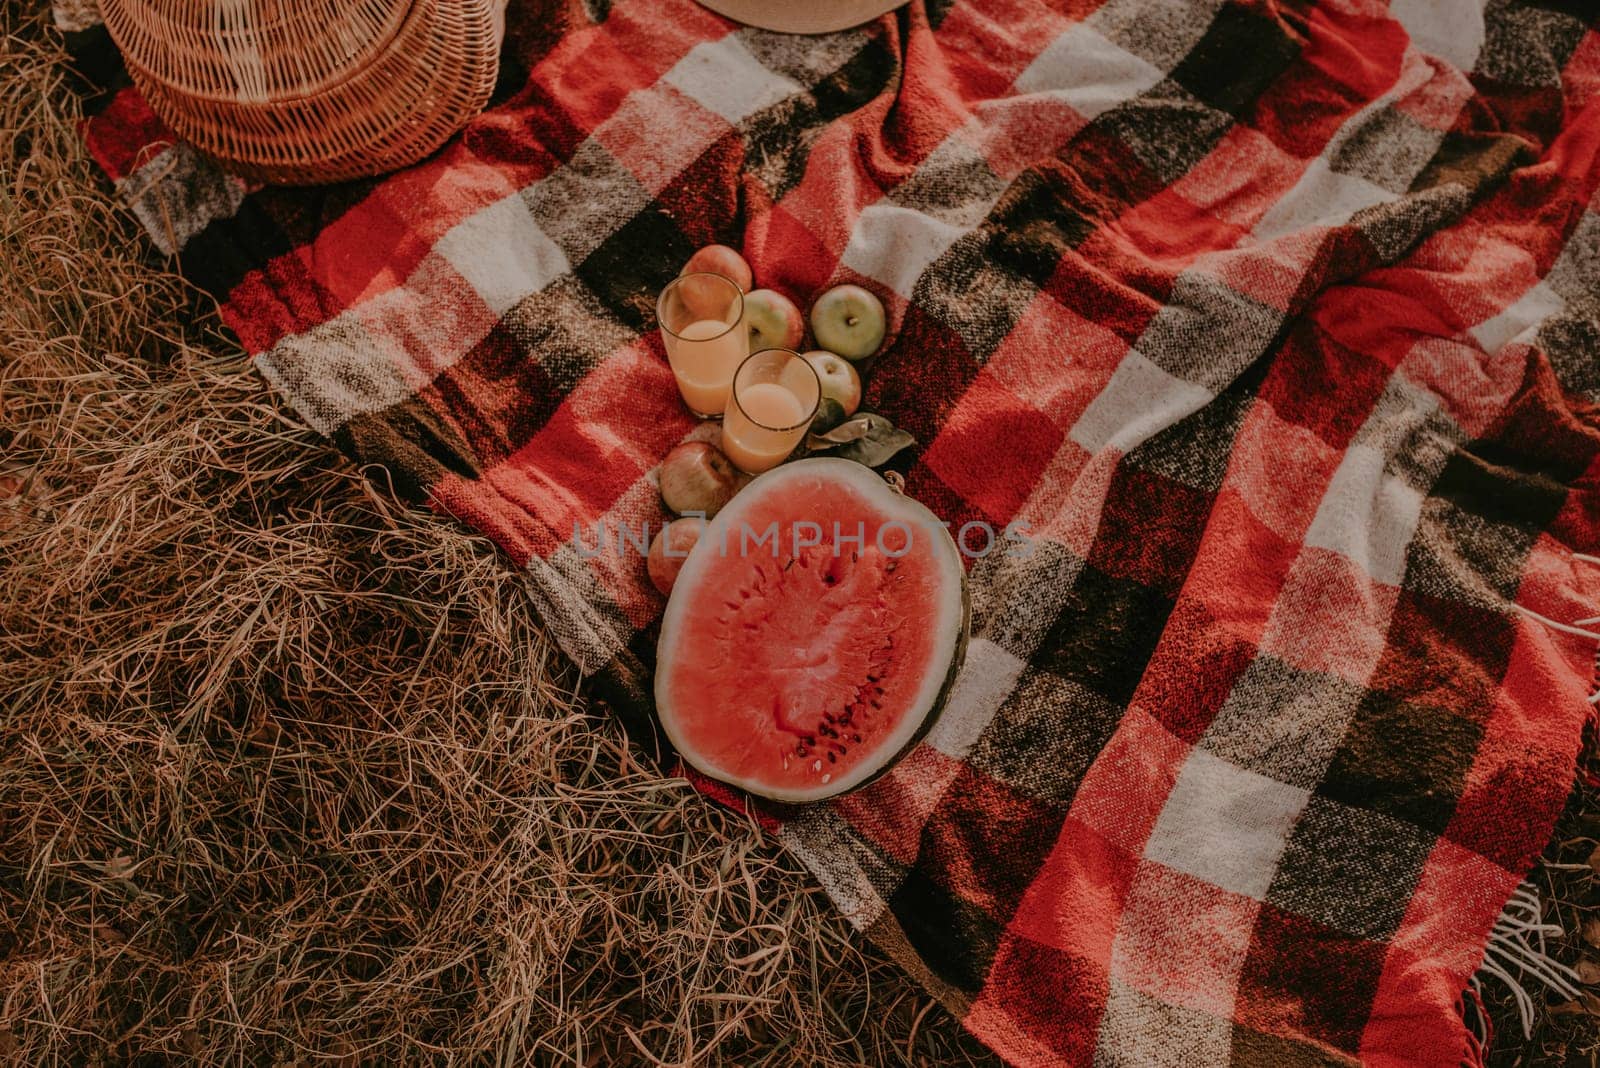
947 630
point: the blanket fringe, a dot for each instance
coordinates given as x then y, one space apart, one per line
1516 954
1518 957
1480 1029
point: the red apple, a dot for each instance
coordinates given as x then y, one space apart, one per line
839 379
850 321
708 301
672 543
697 477
774 321
720 259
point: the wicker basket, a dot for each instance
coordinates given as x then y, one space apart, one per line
311 91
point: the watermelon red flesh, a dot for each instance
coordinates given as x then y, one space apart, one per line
800 674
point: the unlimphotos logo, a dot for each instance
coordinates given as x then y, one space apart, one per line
975 539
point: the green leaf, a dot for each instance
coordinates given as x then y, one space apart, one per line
867 438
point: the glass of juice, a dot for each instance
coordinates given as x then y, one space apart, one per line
775 395
702 326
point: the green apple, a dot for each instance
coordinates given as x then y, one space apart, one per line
849 321
774 321
840 381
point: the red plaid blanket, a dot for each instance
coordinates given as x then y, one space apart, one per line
1276 321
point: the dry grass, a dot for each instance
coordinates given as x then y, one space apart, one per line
289 774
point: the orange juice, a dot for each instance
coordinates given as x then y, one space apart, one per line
704 355
756 432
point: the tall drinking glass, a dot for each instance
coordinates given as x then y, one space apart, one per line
702 326
775 396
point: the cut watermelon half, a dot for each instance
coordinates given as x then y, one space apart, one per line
813 633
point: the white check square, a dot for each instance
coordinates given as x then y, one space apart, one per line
724 77
1087 72
1140 400
503 254
1367 515
1225 825
894 245
1322 197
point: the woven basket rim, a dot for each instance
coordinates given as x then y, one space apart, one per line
414 10
165 32
404 85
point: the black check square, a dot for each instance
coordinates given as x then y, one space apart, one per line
956 938
1168 129
989 840
1045 736
1310 977
1404 760
1041 218
1528 44
1150 529
1105 632
523 398
1213 70
972 297
778 139
627 282
1342 866
1480 522
1570 343
568 328
1257 1049
1194 451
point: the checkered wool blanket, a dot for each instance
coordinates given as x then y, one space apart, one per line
1276 321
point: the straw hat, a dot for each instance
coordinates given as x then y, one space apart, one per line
802 16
